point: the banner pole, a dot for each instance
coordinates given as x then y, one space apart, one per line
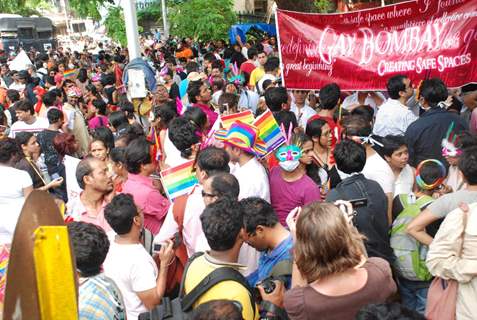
279 48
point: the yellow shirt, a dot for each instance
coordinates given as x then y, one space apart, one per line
256 75
229 290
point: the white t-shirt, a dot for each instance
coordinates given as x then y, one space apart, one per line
353 100
405 181
302 115
40 124
11 199
173 155
377 169
133 270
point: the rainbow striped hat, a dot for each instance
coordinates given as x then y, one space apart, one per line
243 136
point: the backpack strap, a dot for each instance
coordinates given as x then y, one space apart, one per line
186 268
424 201
215 277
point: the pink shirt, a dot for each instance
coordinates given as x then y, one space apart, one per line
98 121
211 115
148 199
286 196
76 211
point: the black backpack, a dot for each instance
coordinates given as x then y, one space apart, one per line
181 308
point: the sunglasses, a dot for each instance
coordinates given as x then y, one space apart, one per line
209 195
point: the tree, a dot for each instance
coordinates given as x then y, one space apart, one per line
202 19
88 8
23 7
115 26
294 5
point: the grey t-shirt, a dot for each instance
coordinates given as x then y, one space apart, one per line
445 204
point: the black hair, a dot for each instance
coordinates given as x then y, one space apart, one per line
356 126
13 95
209 57
192 66
137 153
25 106
117 119
231 99
120 213
167 111
287 118
430 172
54 115
82 75
364 111
105 135
213 160
329 96
101 106
182 135
272 64
107 79
216 64
391 144
49 98
350 156
275 97
92 88
314 126
217 310
117 155
225 184
252 53
433 91
128 108
257 212
84 169
388 311
90 246
194 90
22 138
197 117
221 223
395 85
8 150
468 165
465 139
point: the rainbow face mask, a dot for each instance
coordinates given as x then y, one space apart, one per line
289 157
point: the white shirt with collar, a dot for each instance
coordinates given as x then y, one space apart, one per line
192 234
303 114
253 181
393 118
352 99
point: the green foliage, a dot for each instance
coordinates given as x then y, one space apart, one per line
115 26
153 13
23 7
323 6
87 8
202 19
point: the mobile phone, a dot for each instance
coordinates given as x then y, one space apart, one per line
361 202
157 247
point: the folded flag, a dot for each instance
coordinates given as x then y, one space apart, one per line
269 131
69 73
179 180
244 116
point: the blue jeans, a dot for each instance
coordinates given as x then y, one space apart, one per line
414 294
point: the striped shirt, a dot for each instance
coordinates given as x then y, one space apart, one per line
100 298
40 124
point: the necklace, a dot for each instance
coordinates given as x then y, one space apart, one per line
38 173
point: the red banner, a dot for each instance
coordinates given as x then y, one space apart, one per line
360 50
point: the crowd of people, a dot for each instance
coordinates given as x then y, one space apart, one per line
371 196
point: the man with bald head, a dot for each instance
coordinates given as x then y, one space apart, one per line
95 179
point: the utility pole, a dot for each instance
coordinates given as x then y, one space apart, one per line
164 19
129 7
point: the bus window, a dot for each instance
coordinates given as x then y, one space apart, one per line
8 35
44 34
25 33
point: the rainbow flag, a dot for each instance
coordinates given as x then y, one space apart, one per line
244 116
69 73
269 131
179 180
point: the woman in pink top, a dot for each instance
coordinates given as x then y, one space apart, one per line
141 186
290 186
99 119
